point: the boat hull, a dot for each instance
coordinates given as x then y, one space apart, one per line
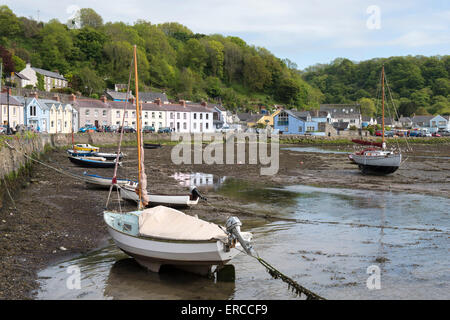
377 162
104 181
151 146
193 256
108 156
82 162
177 201
86 147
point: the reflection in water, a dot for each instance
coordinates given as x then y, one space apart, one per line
314 150
198 179
128 280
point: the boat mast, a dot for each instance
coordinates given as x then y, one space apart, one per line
138 128
382 105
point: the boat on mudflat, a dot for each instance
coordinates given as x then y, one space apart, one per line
152 145
93 162
165 236
85 147
100 181
128 192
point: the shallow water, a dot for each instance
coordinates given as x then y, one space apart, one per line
314 150
339 233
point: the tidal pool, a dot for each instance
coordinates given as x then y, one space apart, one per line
332 237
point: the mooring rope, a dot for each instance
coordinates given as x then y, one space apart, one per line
276 274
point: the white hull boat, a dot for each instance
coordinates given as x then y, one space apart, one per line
104 181
378 161
127 192
164 236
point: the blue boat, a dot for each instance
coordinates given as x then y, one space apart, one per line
93 162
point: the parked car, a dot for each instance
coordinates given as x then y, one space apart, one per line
127 129
388 133
3 129
148 129
414 134
426 134
164 130
88 128
378 133
435 134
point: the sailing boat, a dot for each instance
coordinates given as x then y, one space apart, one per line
373 160
165 236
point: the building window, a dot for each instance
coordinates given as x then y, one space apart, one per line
283 119
117 114
96 113
126 114
310 129
14 111
207 116
184 126
195 126
86 112
104 113
52 124
160 124
133 114
126 123
207 125
195 116
201 116
65 124
160 115
184 115
171 115
178 115
300 129
153 115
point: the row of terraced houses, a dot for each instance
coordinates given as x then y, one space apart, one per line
54 116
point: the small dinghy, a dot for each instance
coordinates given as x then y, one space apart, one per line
152 145
165 236
78 153
128 192
93 162
108 156
85 147
104 181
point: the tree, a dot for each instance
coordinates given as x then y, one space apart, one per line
90 18
367 107
288 91
9 24
214 50
87 81
256 76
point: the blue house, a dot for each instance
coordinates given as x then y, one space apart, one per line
295 122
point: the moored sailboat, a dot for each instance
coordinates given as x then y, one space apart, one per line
165 236
377 161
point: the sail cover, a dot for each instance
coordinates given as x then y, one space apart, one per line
368 143
167 223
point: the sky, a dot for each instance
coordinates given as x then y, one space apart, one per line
306 32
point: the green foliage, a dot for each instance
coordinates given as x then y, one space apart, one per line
414 82
40 82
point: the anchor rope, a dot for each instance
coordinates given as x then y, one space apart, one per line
293 285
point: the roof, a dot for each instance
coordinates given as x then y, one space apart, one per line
152 96
340 125
12 101
404 119
342 110
387 121
21 76
115 95
318 113
248 117
48 73
417 119
367 118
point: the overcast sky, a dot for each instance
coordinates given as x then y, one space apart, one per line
304 31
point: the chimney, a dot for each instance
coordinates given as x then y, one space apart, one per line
158 101
56 97
33 95
183 103
103 98
5 90
204 103
72 98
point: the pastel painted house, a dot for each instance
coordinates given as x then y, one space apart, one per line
439 123
296 122
15 110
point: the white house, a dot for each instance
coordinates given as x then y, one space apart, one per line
51 79
350 113
16 109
